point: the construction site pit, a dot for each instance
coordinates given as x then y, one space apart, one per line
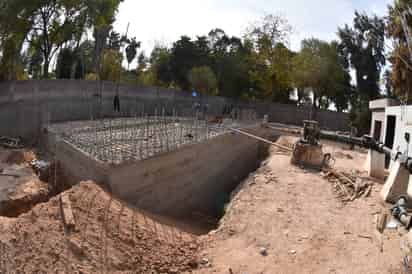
182 195
181 171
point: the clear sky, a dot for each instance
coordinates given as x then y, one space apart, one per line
165 21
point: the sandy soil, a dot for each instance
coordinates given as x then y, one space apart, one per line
109 238
282 219
20 187
295 217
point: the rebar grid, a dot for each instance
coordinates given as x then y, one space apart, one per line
119 140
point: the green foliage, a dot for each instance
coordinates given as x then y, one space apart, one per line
260 65
229 59
160 66
45 26
360 116
271 60
203 80
131 50
388 83
269 31
319 66
185 55
401 73
111 68
75 63
147 78
13 32
53 24
35 62
363 47
92 77
65 62
101 16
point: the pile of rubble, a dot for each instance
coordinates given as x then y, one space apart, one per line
348 187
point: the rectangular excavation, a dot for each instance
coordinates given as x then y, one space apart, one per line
174 167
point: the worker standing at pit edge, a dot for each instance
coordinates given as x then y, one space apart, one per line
116 102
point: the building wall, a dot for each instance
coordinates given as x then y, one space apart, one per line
403 125
381 117
27 105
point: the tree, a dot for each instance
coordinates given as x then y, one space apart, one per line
160 66
141 62
400 57
84 65
363 45
53 24
35 61
318 66
269 31
65 62
46 26
203 80
388 83
229 61
75 63
131 51
111 68
344 90
101 17
185 55
271 59
15 24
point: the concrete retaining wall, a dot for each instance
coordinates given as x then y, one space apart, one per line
194 178
26 105
77 166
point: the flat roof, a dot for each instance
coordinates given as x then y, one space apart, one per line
381 104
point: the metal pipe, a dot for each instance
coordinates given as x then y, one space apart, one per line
260 139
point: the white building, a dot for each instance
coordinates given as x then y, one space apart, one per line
390 122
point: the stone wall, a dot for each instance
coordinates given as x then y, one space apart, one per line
26 105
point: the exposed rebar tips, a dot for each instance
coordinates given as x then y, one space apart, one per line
118 140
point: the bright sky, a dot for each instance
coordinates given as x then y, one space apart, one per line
165 21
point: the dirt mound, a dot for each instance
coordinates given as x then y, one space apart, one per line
109 237
19 157
5 223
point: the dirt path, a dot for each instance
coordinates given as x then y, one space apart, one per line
296 218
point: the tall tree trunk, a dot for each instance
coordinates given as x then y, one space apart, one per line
46 69
315 100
